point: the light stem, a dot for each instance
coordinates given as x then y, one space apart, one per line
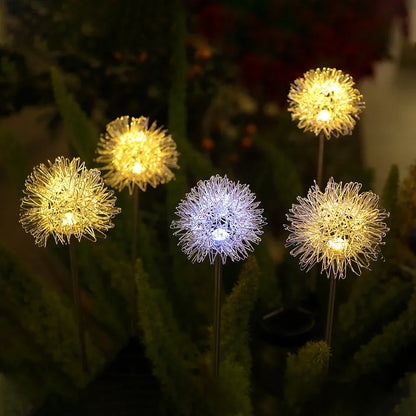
79 316
217 313
320 160
134 257
314 277
331 306
135 226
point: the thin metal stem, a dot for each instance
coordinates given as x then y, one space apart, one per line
134 258
217 313
135 225
331 306
314 277
79 317
320 160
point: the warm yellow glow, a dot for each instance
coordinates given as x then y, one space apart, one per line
324 115
135 154
325 101
68 219
337 244
66 199
137 168
339 227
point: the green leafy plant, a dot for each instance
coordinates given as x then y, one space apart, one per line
305 373
82 132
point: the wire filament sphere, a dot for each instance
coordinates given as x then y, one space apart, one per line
218 217
134 153
338 228
325 101
64 199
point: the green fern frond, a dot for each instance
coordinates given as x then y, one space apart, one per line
82 133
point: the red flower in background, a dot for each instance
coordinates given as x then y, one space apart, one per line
273 42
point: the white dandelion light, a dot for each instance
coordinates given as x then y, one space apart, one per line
65 199
218 217
339 227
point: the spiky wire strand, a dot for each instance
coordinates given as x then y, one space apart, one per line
339 227
136 154
218 217
325 101
65 199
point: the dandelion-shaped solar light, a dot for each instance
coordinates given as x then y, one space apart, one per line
218 219
325 102
340 228
136 154
65 199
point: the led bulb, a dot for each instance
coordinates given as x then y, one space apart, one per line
220 235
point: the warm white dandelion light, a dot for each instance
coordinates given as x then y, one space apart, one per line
218 217
135 153
66 199
339 227
325 101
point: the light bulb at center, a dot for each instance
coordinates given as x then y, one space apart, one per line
138 167
219 234
337 244
68 219
324 115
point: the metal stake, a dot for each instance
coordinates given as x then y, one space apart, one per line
79 316
320 160
330 315
134 257
217 313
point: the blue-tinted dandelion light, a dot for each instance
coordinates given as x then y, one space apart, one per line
218 219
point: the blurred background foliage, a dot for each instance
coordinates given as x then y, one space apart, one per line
216 74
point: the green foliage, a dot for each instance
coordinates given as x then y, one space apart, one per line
104 301
13 158
13 402
82 133
24 363
407 406
47 318
385 347
231 392
305 374
117 273
235 316
270 294
166 346
184 373
370 303
282 170
232 396
190 159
